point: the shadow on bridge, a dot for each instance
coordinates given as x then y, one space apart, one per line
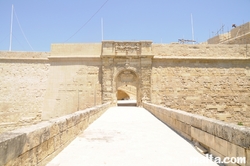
127 103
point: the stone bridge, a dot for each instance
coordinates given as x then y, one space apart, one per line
127 136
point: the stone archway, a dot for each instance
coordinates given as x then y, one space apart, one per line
126 63
125 79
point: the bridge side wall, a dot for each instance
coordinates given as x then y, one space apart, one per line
38 144
219 138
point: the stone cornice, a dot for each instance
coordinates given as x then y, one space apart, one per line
199 58
73 58
25 59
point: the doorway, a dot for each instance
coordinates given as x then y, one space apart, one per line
126 95
127 88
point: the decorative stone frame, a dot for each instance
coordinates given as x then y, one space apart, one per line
126 63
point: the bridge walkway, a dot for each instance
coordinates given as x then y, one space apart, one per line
129 136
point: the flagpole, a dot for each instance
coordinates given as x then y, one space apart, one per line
102 27
11 23
192 24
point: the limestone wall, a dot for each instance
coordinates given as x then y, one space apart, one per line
73 84
38 85
219 138
76 50
200 50
213 88
38 144
24 55
23 82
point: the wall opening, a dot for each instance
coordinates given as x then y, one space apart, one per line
126 95
126 88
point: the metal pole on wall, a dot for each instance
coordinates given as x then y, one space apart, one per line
192 24
102 27
11 22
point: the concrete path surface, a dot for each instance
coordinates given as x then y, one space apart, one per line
129 136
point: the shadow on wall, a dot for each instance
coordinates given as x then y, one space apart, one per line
121 95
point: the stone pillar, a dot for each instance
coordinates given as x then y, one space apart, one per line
107 80
145 80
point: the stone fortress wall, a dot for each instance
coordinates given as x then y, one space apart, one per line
23 83
210 80
36 86
74 80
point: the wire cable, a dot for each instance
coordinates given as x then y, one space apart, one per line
22 31
87 21
18 41
4 38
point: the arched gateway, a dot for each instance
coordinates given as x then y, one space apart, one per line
126 63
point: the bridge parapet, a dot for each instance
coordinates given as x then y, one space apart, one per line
218 138
37 144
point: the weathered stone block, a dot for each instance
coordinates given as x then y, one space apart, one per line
11 146
196 121
42 151
29 157
208 126
77 118
64 137
186 128
51 146
235 151
14 162
70 121
61 122
35 134
209 140
223 116
54 129
198 135
220 130
71 133
57 141
241 136
247 156
220 146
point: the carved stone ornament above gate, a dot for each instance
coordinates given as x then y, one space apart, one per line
114 48
126 76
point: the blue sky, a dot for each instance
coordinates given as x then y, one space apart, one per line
161 21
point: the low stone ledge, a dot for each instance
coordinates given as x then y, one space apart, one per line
220 138
33 144
11 146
